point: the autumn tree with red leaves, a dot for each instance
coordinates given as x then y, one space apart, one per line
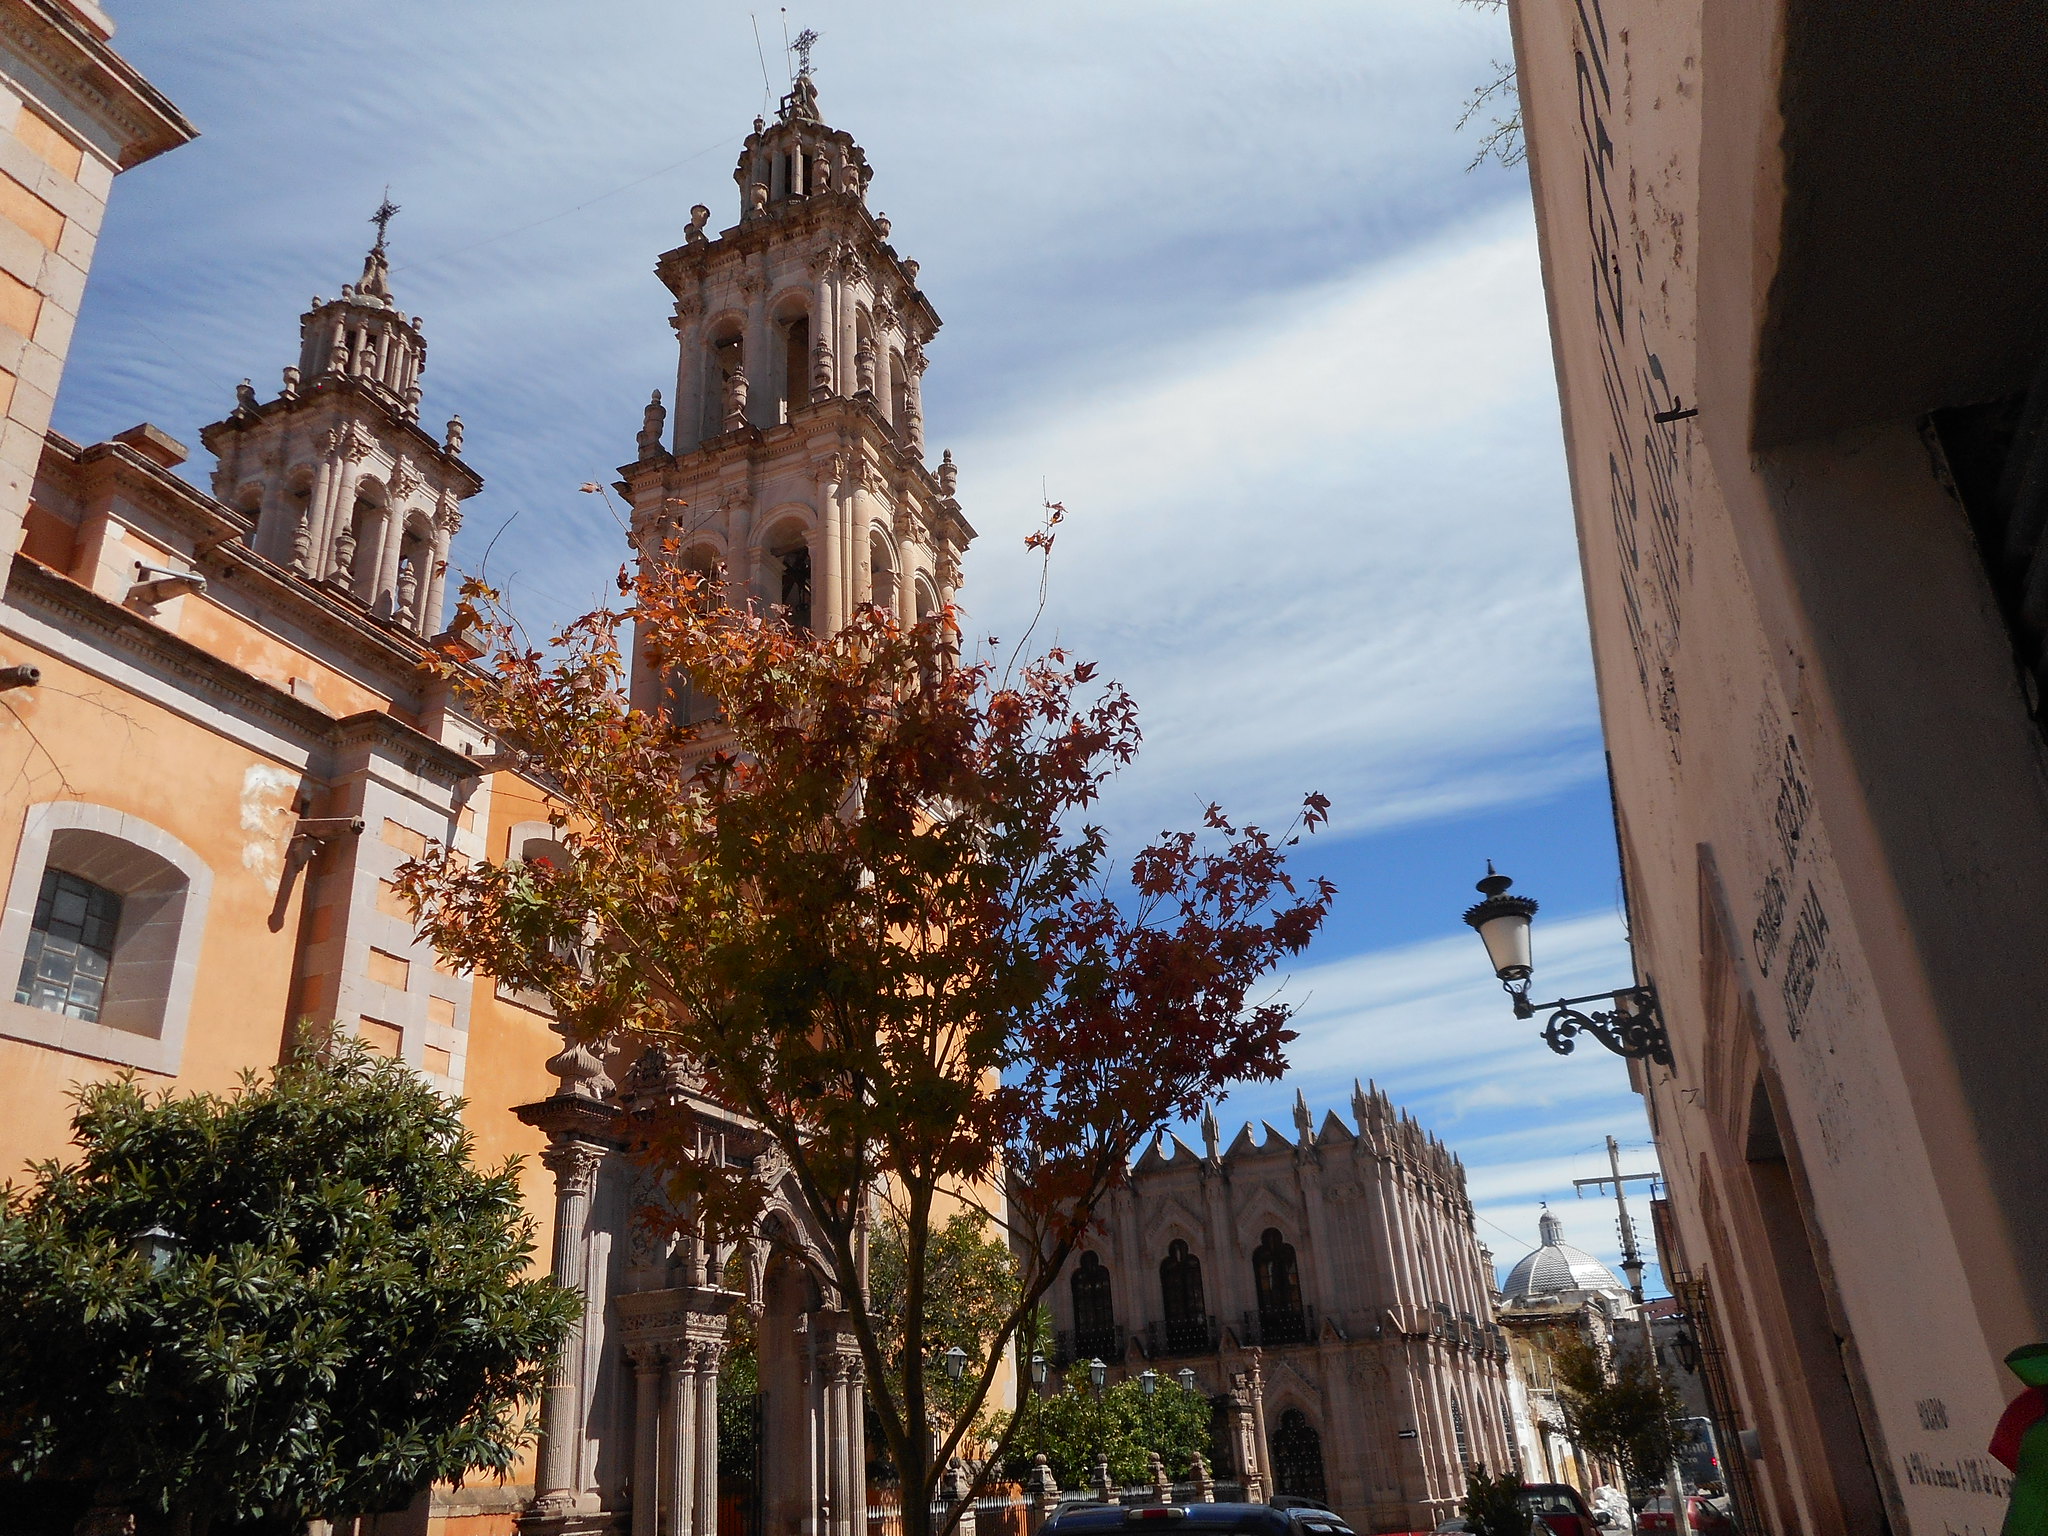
865 901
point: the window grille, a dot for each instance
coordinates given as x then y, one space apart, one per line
70 947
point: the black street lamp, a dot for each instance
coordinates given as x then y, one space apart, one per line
157 1246
1037 1369
1098 1373
1687 1349
1632 1027
1186 1377
956 1363
1148 1381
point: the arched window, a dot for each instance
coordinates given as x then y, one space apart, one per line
1094 1311
899 394
1281 1319
1180 1292
101 933
796 585
881 573
1298 1457
725 360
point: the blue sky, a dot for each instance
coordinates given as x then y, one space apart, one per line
1214 276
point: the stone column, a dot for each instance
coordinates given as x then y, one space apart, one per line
833 1369
857 1443
646 1359
574 1164
707 1439
681 1485
437 586
1265 1445
824 352
688 419
316 512
826 614
383 583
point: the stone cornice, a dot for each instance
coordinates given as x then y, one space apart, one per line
221 533
341 390
788 224
35 589
96 78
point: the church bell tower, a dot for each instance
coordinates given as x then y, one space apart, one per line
347 490
795 455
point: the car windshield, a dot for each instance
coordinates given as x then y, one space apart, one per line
1549 1501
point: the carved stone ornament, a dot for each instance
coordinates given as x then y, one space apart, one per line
579 1070
449 520
689 307
574 1165
885 315
849 177
328 441
357 445
404 479
699 217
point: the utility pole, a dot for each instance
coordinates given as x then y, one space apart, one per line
1631 1255
1632 1266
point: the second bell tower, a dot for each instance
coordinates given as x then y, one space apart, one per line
795 455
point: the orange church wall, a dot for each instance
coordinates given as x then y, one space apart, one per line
228 804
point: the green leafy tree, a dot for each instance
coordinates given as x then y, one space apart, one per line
1076 1430
1493 1504
342 1321
1619 1410
970 1286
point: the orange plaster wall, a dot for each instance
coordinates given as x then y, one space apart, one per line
228 804
223 633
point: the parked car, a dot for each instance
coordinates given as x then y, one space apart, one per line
1188 1519
1704 1512
1458 1523
1562 1508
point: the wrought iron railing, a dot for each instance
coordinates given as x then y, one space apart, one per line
1280 1325
1183 1336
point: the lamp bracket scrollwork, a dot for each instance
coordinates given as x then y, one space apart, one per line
1632 1027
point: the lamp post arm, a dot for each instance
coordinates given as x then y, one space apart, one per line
1633 1027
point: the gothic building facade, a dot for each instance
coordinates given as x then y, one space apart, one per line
1337 1276
795 461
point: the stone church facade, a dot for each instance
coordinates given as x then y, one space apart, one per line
1334 1274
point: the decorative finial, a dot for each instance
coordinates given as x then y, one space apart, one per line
386 211
801 45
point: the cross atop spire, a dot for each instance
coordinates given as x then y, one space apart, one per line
804 42
386 211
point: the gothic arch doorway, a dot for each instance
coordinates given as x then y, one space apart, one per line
1298 1456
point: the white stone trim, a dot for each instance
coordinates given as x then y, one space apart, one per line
166 941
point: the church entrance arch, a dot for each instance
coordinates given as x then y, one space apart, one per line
783 1347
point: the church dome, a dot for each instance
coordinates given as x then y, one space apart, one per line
1558 1269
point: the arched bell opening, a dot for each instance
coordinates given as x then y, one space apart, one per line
881 571
785 579
792 322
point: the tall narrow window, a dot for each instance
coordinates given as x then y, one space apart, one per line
1281 1318
796 365
1180 1292
1094 1311
70 947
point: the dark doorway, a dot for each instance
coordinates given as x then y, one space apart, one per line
1298 1456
